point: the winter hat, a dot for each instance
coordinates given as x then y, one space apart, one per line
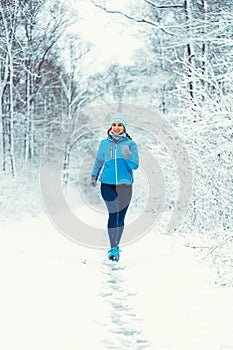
118 118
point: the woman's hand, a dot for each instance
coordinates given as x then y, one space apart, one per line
126 151
93 181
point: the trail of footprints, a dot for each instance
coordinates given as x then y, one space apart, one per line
124 327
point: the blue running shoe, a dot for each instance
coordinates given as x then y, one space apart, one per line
114 254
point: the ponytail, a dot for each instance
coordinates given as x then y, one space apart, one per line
128 136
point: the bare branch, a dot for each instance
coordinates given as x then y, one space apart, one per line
163 6
137 20
217 246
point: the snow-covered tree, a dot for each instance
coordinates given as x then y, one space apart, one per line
191 42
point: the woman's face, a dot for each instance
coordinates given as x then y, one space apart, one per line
117 128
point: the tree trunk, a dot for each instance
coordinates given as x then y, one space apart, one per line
8 117
4 135
11 121
204 46
190 48
66 165
3 71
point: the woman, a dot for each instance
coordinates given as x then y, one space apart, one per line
117 156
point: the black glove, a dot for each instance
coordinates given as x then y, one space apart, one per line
93 181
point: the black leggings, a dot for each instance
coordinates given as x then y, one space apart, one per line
117 199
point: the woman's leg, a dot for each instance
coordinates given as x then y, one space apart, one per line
124 193
109 195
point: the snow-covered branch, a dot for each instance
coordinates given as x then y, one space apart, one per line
153 4
132 18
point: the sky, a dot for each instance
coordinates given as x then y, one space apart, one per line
112 36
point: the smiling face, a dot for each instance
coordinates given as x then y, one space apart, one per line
117 128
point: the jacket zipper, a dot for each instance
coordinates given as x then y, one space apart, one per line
111 152
116 164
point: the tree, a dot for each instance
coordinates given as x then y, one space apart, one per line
195 42
29 31
9 11
38 42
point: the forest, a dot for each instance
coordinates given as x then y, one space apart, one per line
182 70
66 68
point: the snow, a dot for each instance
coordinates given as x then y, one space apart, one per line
55 294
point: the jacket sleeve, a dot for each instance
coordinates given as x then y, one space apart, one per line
133 161
99 161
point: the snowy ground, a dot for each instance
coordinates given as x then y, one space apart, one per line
55 294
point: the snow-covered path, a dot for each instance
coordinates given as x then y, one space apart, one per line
55 294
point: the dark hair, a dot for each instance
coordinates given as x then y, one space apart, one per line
124 132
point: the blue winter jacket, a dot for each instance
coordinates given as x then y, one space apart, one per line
116 169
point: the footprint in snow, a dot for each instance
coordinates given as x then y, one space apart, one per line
123 325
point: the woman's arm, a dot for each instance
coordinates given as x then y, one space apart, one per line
131 156
99 161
